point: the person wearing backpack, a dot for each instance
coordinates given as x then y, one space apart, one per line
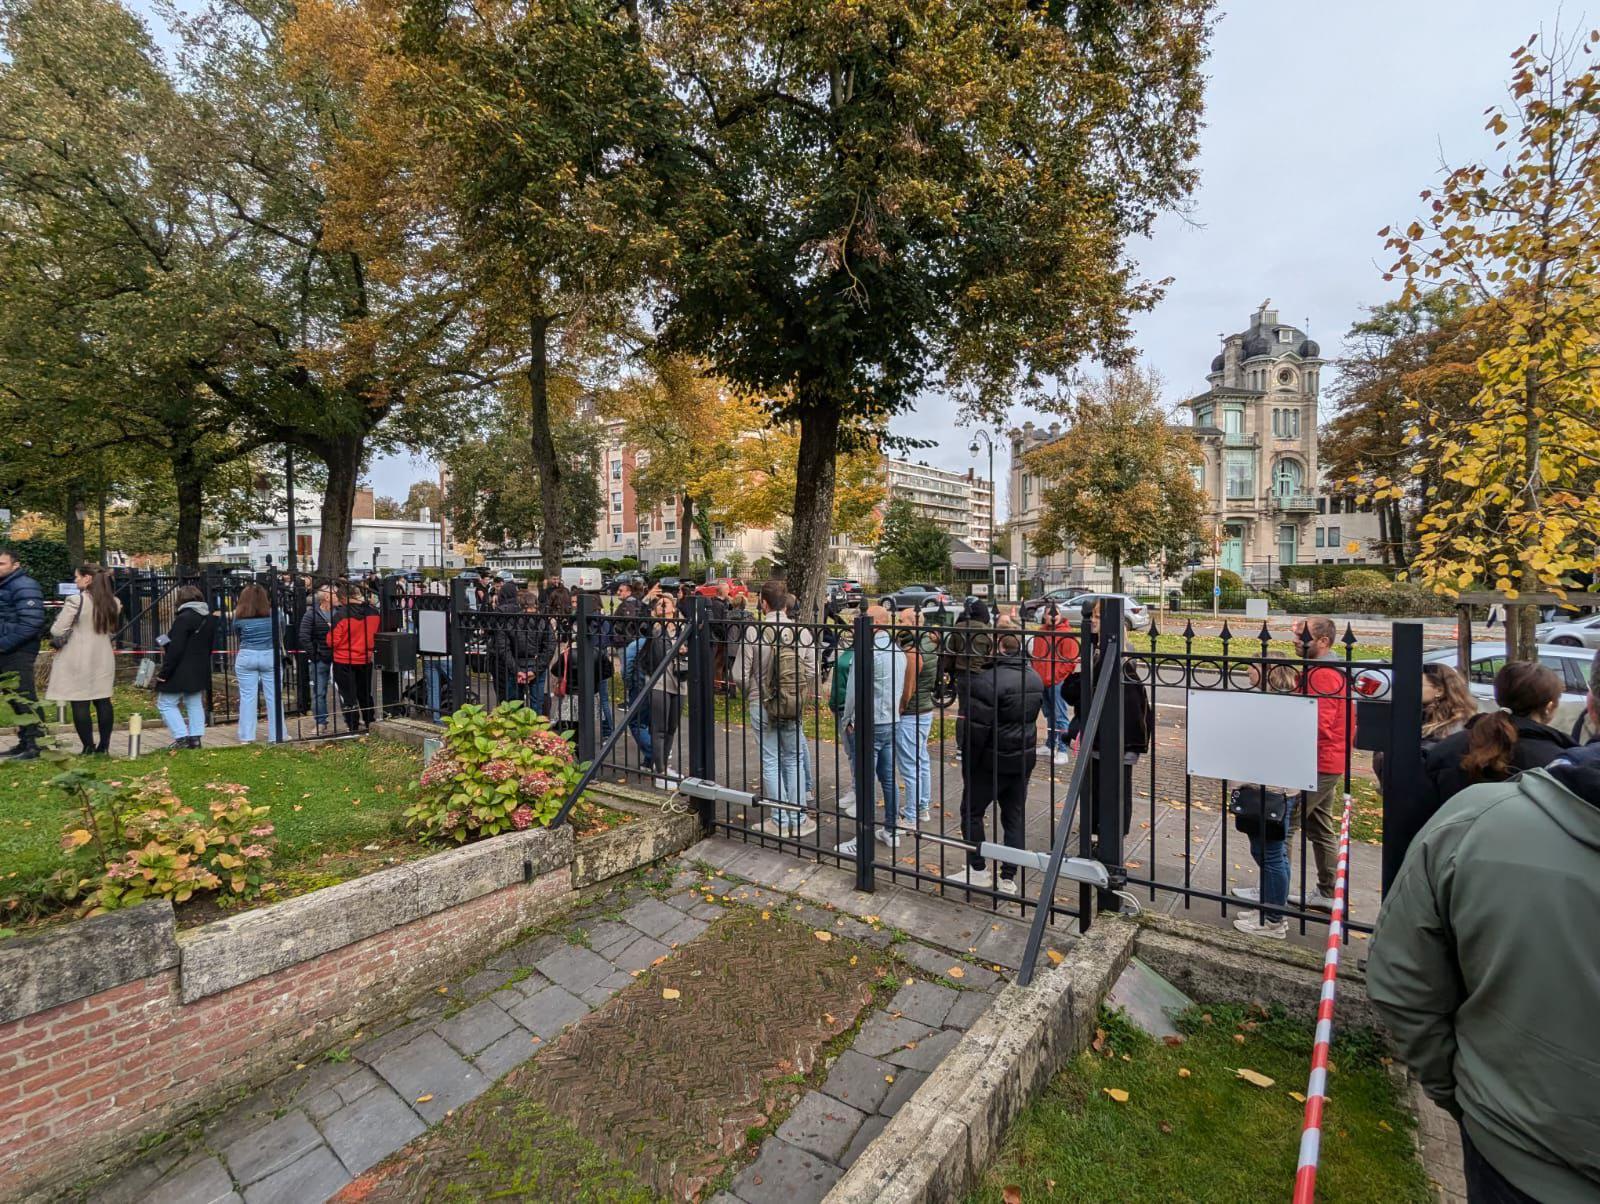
838 684
888 686
782 676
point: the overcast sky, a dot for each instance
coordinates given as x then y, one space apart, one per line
1323 122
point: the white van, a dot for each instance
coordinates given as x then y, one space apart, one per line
586 579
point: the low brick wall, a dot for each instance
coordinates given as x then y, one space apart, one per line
116 1027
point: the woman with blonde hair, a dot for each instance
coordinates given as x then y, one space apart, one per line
84 668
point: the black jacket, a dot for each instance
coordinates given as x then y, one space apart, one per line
998 730
313 634
1443 778
186 660
523 643
625 625
21 613
1135 711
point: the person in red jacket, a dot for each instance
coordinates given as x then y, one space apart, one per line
1054 655
1329 685
352 632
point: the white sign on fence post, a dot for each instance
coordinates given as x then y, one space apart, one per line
1264 739
431 637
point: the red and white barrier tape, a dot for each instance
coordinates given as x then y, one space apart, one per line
1305 1177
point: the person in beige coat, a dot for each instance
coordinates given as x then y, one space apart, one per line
84 668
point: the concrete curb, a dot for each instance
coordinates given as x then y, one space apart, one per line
938 1144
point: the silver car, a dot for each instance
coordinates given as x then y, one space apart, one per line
1577 633
1570 663
1135 616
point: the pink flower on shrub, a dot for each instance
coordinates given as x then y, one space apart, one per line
499 770
254 850
440 770
261 830
551 745
522 817
539 783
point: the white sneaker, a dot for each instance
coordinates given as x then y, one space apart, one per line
847 804
787 828
660 783
847 847
1251 925
1317 901
1251 894
924 814
1061 757
1008 886
890 837
807 826
967 876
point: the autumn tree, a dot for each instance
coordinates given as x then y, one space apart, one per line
684 425
535 128
1119 483
894 196
386 508
1422 350
422 496
1518 239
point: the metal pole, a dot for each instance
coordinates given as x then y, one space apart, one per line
1216 570
1109 745
584 654
990 442
288 492
866 749
1403 815
460 603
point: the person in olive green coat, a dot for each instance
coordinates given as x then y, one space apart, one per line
1486 971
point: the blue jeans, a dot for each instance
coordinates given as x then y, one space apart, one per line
1273 858
172 708
435 670
915 764
782 773
607 718
882 768
849 750
253 668
1058 716
321 675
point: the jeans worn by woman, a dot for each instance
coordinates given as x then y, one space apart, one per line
184 714
253 668
1272 856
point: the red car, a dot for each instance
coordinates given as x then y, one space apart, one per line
736 588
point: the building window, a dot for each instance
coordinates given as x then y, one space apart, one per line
1203 416
1322 505
718 531
616 532
408 539
1287 478
616 470
1233 419
1288 543
1240 474
1321 535
671 528
1285 335
1333 537
616 501
1199 471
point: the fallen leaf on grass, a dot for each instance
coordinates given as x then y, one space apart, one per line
422 1099
1254 1076
1116 1093
766 915
1297 1097
1385 1126
1011 1194
1238 1038
1183 1072
670 993
1099 1040
822 935
1172 1039
852 961
1165 1127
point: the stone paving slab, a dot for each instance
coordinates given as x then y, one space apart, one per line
270 1148
478 1027
204 1183
549 1011
369 1130
785 1173
316 1175
431 1075
821 1125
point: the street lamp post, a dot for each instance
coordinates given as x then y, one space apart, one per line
988 442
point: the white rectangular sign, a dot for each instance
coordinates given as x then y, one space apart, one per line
1265 739
1255 608
431 638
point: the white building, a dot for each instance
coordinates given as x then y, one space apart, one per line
374 542
960 502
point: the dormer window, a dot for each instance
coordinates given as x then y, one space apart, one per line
1285 335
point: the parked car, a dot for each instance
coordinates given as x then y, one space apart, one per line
917 597
736 588
844 589
670 585
1135 615
1570 633
1569 661
637 582
586 579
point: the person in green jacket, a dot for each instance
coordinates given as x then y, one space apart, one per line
1485 971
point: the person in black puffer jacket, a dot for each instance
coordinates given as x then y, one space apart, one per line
21 625
998 735
1498 745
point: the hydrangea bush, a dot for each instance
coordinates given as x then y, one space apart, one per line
138 840
497 771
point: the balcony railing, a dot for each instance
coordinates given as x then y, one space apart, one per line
1240 439
1294 503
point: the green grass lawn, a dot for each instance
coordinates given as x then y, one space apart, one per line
329 802
1210 1137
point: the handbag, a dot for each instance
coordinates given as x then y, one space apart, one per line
58 642
1261 810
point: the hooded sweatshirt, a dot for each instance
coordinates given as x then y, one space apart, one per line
186 655
1485 970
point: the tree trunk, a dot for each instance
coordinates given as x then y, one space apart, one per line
188 476
545 462
686 537
74 525
342 455
813 506
1116 572
1521 620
